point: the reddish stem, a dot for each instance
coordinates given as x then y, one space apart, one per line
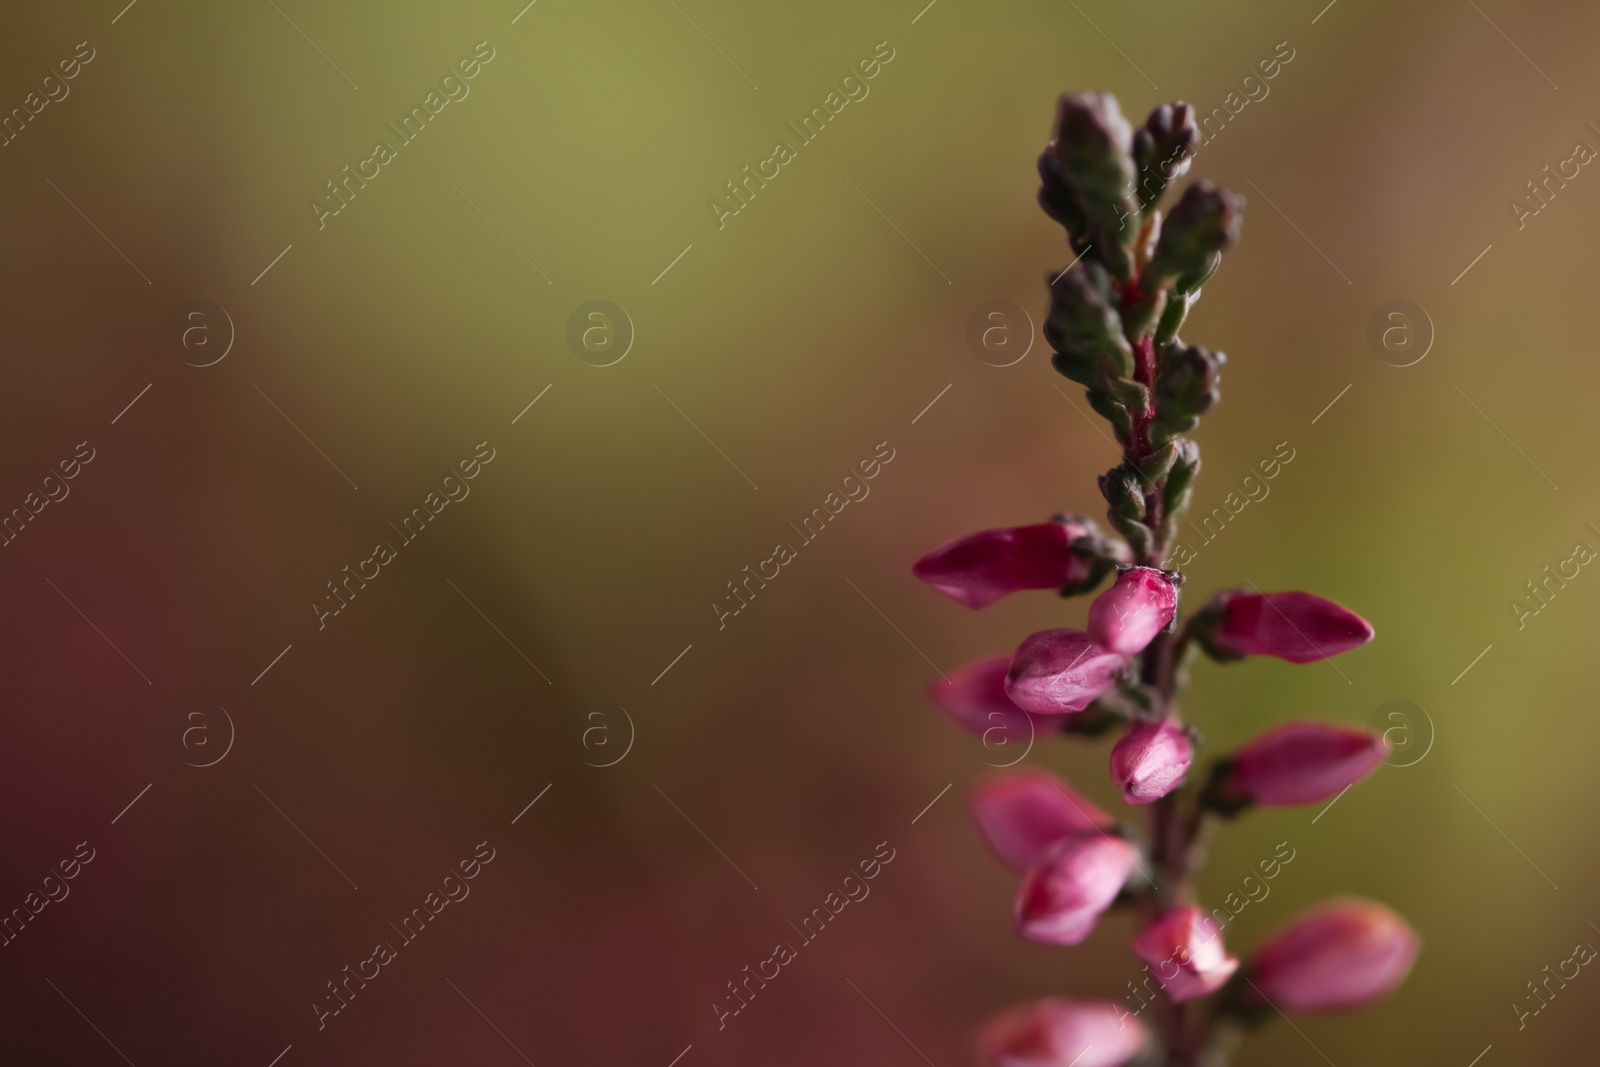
1172 831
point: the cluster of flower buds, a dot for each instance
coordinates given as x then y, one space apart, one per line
1113 323
1114 318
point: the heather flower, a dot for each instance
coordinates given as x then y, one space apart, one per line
1341 954
1298 627
1070 884
1057 1032
1139 605
1184 948
974 696
1298 763
1058 671
1021 813
1150 761
1116 313
983 567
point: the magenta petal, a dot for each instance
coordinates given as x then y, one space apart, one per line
1340 954
974 696
983 567
1151 760
1022 813
1303 762
1184 949
1058 1032
1298 627
1127 617
1057 671
1069 885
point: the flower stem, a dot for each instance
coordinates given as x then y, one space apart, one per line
1175 823
1175 819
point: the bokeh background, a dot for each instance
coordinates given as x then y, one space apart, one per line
759 762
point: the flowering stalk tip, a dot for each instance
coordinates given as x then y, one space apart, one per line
1115 320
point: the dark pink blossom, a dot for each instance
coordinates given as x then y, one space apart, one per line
1302 762
974 696
1139 605
1021 813
1184 949
1298 627
1151 760
983 567
1070 884
1057 1032
1056 671
1340 954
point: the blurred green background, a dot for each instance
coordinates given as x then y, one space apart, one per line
769 358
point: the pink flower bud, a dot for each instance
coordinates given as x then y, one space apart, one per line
1069 885
983 567
975 697
1057 671
1340 954
1151 760
1184 948
1127 617
1021 813
1058 1032
1298 627
1302 762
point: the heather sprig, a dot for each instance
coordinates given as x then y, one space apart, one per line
1114 323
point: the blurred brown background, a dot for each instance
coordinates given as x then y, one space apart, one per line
776 352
